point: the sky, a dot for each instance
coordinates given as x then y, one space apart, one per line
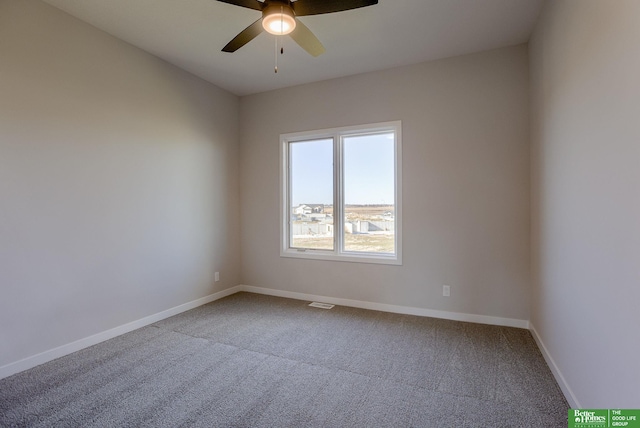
368 176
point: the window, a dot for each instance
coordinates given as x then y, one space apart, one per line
340 194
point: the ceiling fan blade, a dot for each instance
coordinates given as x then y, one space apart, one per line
251 4
306 39
317 7
245 36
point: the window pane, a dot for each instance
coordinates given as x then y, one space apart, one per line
311 197
369 195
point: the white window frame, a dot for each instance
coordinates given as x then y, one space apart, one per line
338 135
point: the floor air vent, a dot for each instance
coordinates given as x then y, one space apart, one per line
321 305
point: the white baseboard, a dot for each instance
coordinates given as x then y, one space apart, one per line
562 382
49 355
60 351
383 307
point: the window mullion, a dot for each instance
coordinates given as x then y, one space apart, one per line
289 188
338 224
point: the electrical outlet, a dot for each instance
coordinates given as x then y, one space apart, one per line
446 291
217 276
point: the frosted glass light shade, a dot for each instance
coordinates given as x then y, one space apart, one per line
279 21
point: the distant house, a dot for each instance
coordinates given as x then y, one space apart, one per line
307 209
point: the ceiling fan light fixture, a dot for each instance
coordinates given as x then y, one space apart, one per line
278 20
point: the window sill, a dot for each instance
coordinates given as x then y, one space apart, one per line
345 257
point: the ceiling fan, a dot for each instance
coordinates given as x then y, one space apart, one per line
279 18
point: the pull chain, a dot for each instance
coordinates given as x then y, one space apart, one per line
279 37
281 29
275 70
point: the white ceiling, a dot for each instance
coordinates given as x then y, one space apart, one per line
191 33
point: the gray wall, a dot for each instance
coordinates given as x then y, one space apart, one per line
118 182
585 64
465 179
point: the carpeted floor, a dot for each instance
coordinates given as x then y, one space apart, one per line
257 361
